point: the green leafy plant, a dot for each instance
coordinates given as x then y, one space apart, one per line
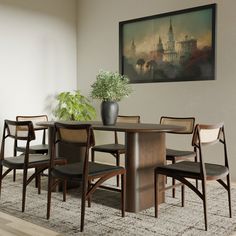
74 106
110 86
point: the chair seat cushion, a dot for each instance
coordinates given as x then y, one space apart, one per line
75 170
39 149
110 148
18 161
191 169
178 154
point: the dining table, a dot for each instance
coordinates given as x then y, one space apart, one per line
145 149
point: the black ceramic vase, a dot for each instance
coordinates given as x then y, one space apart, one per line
109 112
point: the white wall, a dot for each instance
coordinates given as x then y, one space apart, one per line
208 101
37 54
38 58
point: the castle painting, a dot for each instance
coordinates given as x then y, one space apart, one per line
171 47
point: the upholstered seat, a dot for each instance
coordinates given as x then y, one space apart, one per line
18 162
75 170
110 148
179 154
40 149
191 169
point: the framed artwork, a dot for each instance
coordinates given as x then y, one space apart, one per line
169 47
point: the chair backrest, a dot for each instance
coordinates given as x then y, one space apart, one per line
205 135
186 122
126 119
35 120
18 130
208 134
80 135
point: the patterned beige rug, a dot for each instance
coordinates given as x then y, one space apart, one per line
104 217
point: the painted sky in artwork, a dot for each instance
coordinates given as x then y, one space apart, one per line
146 33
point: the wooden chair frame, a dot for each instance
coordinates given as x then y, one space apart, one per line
179 155
33 149
200 171
115 149
87 187
26 163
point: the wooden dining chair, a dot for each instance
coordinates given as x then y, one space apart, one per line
175 155
204 135
22 131
81 171
39 130
115 149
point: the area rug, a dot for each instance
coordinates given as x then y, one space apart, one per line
104 217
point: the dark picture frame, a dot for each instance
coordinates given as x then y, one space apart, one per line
169 47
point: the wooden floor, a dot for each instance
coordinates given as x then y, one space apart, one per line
12 226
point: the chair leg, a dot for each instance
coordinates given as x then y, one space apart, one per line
123 192
156 193
229 195
117 156
1 179
89 198
173 189
182 195
64 190
204 202
173 181
24 189
38 180
49 195
195 159
83 201
92 155
14 175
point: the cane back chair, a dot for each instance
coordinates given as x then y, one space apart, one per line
22 131
175 155
204 135
115 149
83 170
34 148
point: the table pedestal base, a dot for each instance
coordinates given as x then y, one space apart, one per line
144 152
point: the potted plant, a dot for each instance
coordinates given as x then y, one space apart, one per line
110 88
74 106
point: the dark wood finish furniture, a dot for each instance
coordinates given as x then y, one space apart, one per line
145 149
39 148
175 155
33 149
22 131
81 171
115 149
204 135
